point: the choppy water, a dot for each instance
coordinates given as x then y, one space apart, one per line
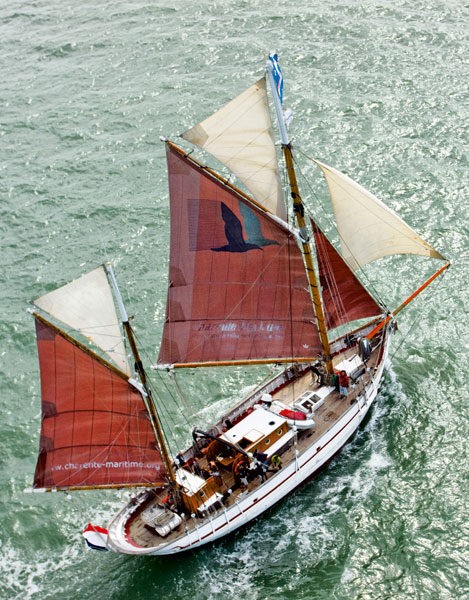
379 89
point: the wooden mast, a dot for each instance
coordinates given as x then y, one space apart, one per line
299 210
155 421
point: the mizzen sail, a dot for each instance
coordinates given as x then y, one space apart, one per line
95 429
368 229
237 284
240 136
86 305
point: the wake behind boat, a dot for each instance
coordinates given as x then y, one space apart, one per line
249 284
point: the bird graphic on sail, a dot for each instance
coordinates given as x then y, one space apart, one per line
234 231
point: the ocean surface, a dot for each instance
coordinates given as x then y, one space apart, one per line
379 90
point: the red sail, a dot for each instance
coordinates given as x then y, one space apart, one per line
344 297
237 284
95 428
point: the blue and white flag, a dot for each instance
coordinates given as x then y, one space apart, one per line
277 74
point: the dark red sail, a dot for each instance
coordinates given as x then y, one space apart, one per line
95 428
344 297
237 284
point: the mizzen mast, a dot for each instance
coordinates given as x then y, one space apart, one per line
155 421
275 78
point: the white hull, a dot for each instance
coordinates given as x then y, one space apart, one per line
250 505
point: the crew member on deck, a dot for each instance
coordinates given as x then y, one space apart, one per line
276 462
261 460
318 372
343 384
215 472
243 477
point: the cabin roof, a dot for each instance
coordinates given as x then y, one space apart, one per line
254 427
189 481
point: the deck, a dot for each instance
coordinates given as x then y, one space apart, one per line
325 417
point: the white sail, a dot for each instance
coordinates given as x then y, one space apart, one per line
86 304
240 136
368 229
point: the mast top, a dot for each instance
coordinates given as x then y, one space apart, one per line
275 77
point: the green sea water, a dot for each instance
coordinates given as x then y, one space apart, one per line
379 90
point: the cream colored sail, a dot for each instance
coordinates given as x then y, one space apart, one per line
85 304
240 136
368 229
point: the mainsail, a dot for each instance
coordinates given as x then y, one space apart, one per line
95 429
368 229
240 135
237 284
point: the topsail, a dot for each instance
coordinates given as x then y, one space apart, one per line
86 305
240 135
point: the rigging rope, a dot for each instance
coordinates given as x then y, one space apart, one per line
417 317
332 284
165 416
290 220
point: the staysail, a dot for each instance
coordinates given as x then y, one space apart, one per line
240 136
368 229
86 304
95 428
344 297
237 284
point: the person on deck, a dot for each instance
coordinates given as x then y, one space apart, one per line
215 472
260 456
343 384
198 470
179 460
261 460
276 462
243 477
334 381
318 373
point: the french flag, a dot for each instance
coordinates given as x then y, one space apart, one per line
95 536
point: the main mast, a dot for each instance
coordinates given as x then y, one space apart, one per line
155 421
299 211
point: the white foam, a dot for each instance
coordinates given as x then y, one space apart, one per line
25 579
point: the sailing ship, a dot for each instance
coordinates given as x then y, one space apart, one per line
251 281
